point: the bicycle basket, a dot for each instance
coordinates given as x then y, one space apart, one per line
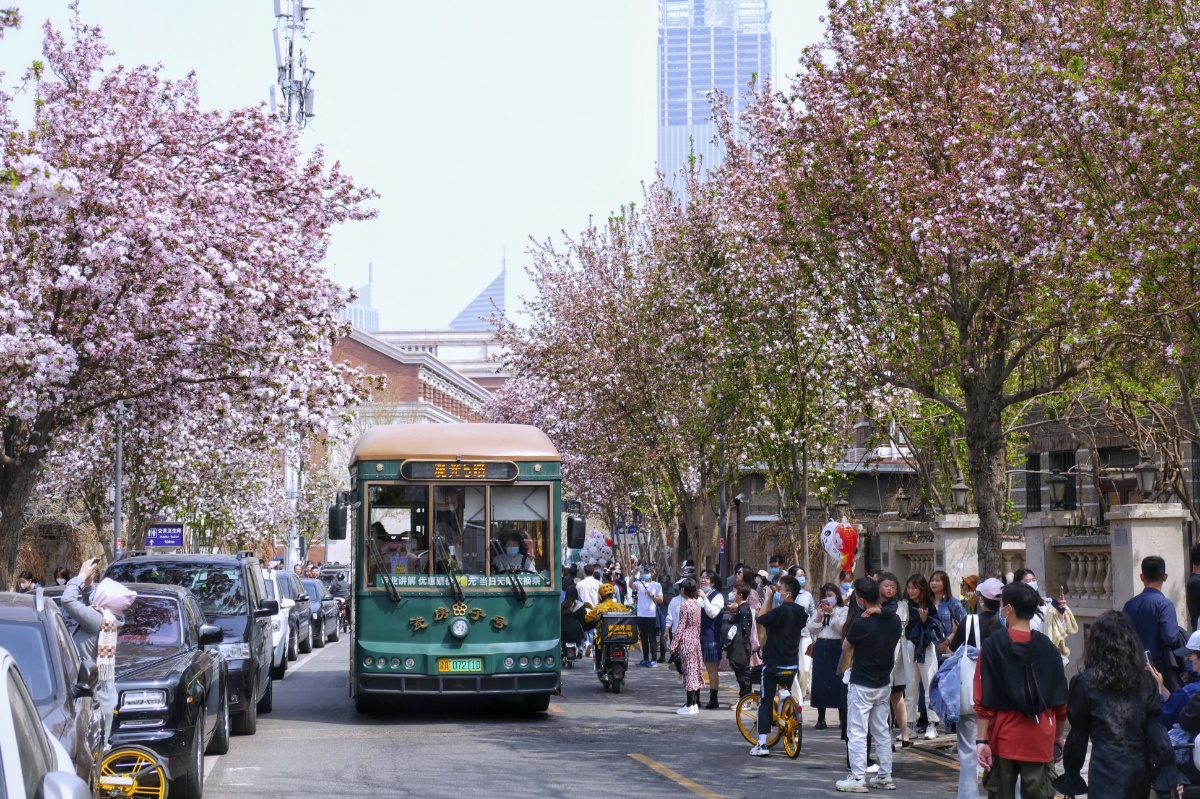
618 628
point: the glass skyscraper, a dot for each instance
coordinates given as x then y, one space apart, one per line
705 45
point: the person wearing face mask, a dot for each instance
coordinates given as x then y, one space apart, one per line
26 582
712 606
784 625
846 580
800 686
826 626
774 571
512 556
1175 702
61 575
649 597
1020 700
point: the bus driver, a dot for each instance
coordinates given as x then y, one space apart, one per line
511 556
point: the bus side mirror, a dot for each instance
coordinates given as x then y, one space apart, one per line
576 532
337 522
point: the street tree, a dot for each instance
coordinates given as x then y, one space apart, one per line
148 245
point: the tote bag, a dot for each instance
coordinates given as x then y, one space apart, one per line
966 667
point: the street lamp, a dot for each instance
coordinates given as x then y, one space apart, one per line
1058 489
960 491
902 502
843 508
1147 477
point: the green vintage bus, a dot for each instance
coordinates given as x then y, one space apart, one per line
457 562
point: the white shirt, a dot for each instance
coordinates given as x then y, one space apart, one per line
673 611
589 591
837 620
806 601
712 607
646 591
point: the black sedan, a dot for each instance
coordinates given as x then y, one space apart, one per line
171 684
324 611
33 631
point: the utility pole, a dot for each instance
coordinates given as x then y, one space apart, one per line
120 412
293 60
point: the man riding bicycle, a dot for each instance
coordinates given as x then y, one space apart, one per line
784 626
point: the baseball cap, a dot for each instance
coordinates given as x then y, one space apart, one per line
990 588
763 574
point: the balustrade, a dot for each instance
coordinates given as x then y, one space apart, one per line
1089 573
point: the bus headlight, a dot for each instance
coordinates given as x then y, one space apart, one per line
459 628
537 663
508 662
368 661
524 661
395 663
410 663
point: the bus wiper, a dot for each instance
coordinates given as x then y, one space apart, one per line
448 563
518 589
377 561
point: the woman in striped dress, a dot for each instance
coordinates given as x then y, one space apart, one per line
686 644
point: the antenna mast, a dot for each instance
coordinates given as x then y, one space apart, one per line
293 60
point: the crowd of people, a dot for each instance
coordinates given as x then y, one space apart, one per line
874 650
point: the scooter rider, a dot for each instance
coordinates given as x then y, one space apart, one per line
607 605
339 589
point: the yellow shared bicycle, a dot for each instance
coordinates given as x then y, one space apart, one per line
785 717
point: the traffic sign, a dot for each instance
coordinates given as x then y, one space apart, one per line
168 534
631 530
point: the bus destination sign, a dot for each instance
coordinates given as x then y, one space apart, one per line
458 470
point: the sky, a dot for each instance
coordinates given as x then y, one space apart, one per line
482 124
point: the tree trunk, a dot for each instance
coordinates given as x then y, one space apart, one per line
17 482
987 463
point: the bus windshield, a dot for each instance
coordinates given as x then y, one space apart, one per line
482 533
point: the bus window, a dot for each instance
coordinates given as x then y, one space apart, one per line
398 521
520 521
458 529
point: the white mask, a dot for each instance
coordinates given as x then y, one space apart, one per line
60 581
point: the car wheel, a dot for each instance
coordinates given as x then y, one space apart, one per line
333 636
219 744
306 645
278 671
191 784
292 652
268 699
319 636
246 722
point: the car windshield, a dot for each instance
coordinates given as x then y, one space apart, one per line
27 643
151 620
220 590
271 589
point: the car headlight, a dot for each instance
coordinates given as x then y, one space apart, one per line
143 700
239 651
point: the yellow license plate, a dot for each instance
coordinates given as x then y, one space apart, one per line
459 665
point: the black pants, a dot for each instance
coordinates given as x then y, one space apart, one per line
648 630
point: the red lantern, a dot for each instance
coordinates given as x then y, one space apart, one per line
608 540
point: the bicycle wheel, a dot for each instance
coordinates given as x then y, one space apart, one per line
132 771
791 727
747 720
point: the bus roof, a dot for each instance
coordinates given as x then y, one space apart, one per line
510 442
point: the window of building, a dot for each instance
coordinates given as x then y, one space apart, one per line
1033 482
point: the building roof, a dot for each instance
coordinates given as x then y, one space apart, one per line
510 442
489 301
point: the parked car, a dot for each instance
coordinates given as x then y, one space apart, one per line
281 638
35 764
299 618
232 595
324 611
57 679
171 695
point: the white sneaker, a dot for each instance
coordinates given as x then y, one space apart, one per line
760 751
689 710
930 732
851 784
882 782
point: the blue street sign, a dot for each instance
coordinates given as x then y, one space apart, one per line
169 534
631 530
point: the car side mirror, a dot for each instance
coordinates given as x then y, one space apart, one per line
62 785
327 598
267 607
211 634
287 604
337 522
302 598
576 532
86 680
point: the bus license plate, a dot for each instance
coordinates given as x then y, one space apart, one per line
459 665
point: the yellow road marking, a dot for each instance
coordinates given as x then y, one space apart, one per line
939 761
555 708
675 777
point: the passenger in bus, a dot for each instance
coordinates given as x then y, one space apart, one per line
510 554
